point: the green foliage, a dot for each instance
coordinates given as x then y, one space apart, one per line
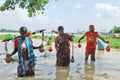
116 29
48 42
32 6
77 38
114 43
36 36
2 8
6 37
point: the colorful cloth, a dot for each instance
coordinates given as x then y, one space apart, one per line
100 45
63 55
30 54
91 45
91 51
91 41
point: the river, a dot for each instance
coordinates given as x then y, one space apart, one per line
106 66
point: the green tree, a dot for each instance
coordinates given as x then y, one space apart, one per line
32 6
116 29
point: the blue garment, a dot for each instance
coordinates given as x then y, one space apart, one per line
100 44
30 54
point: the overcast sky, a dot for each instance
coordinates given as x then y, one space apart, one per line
72 14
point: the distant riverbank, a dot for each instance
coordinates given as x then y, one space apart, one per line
114 43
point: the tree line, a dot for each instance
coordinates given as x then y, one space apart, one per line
8 30
116 29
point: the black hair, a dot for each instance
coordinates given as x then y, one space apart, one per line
60 28
23 28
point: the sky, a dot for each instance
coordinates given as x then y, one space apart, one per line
73 15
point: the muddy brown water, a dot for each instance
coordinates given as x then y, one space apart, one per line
106 66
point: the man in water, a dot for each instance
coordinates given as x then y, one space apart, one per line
91 37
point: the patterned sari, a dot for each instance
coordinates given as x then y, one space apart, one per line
30 60
63 55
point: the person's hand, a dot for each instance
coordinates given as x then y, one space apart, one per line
8 58
71 35
8 55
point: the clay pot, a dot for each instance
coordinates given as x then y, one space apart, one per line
72 59
41 49
79 45
28 33
8 59
108 48
50 48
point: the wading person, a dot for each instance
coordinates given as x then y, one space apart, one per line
24 46
62 45
100 45
91 36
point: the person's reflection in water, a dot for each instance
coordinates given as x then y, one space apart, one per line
89 69
62 73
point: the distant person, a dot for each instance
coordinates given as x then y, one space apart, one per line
100 45
23 44
91 36
62 45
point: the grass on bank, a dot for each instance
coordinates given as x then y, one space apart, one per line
114 43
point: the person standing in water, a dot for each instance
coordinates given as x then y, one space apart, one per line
91 37
62 46
24 46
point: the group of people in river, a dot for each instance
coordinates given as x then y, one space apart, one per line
25 48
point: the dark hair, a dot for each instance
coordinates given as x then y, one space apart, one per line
91 25
23 28
60 28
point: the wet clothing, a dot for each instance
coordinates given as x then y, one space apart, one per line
63 54
26 57
91 45
91 51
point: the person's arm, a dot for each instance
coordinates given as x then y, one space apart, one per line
56 44
103 39
15 47
14 51
81 38
71 37
37 47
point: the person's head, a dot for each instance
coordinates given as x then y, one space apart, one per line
23 32
60 30
91 28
